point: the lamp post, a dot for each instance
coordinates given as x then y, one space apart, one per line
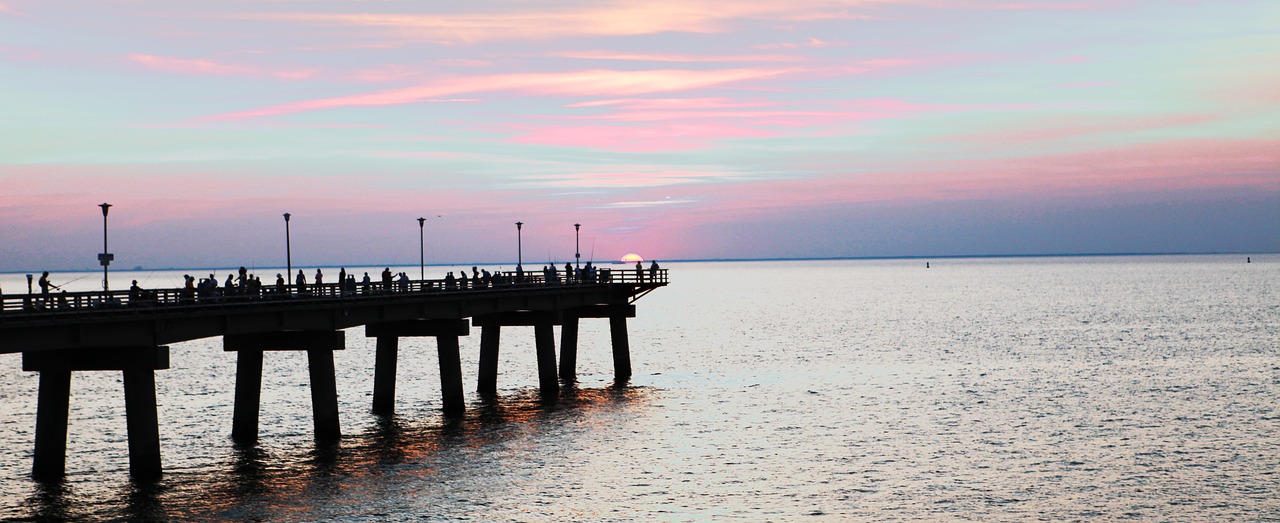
422 249
288 257
577 250
519 248
106 257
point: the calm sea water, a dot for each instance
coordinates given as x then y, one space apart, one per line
1054 389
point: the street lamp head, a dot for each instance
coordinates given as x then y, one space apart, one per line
518 225
286 216
104 206
422 222
576 226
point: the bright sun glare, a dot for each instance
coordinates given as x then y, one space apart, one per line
632 258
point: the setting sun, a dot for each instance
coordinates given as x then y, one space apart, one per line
632 258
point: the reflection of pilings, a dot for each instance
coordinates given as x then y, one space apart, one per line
446 333
544 338
324 388
138 365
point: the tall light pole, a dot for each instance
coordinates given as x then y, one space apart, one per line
577 250
288 257
422 249
519 248
106 257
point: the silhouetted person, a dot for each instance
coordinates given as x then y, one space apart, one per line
386 279
319 282
44 288
280 286
342 281
366 283
240 282
300 282
639 272
135 293
653 270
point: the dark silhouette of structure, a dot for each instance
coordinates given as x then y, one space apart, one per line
128 331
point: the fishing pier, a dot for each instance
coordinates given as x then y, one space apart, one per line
129 331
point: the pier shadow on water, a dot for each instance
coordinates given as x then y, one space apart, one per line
391 462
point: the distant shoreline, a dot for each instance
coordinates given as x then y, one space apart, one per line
690 260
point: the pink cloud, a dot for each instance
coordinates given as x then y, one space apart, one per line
678 58
632 179
212 68
577 83
1060 127
607 19
809 43
673 103
668 137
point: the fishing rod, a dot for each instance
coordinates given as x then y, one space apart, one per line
59 287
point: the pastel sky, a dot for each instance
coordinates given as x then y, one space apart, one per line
675 129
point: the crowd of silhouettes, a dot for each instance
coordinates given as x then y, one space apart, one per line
245 286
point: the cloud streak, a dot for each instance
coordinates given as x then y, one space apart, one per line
597 82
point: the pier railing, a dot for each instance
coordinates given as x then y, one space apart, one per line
64 302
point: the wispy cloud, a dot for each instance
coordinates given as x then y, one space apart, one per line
213 68
810 43
677 58
651 138
633 179
576 83
604 19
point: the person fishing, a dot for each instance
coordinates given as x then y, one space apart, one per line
44 288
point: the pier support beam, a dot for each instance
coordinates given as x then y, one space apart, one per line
569 347
446 333
384 375
617 314
324 389
244 419
138 365
544 338
487 381
53 406
621 348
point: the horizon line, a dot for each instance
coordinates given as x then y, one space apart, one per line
718 260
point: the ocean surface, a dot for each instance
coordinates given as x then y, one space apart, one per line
998 389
